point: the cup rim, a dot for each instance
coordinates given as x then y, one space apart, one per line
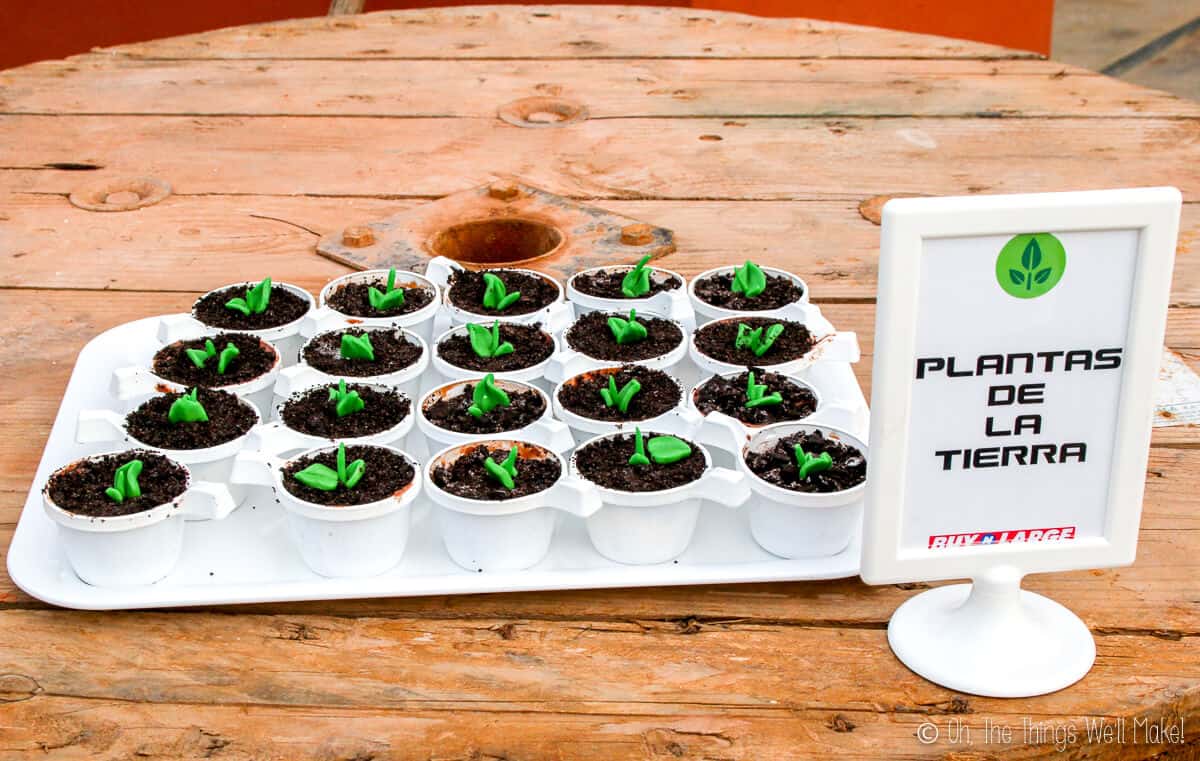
693 346
682 345
328 288
699 302
520 503
683 282
456 329
155 514
672 491
559 299
612 370
428 396
824 429
234 388
277 407
408 492
410 335
297 290
258 420
728 374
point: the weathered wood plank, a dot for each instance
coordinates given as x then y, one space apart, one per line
556 32
221 239
754 159
604 681
102 84
1095 34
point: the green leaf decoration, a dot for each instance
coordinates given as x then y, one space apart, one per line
757 396
639 449
393 297
627 331
808 464
620 398
200 356
486 343
1016 276
228 354
1031 257
505 472
187 409
748 280
125 482
357 347
487 396
1042 276
345 402
317 476
636 282
256 300
665 450
496 295
756 340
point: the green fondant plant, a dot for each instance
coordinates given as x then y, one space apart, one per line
125 482
627 331
357 347
200 357
345 402
808 464
619 398
748 280
486 342
487 396
325 478
755 340
496 295
393 297
505 472
256 300
757 396
187 409
636 282
662 450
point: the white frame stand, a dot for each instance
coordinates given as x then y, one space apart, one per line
992 638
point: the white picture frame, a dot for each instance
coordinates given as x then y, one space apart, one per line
906 225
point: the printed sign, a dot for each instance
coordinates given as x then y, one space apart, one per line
1017 343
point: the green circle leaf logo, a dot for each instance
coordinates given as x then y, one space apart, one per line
1030 265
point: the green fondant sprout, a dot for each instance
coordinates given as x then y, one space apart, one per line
506 471
486 342
662 450
496 295
200 356
256 299
125 482
748 280
325 478
808 464
357 347
187 409
619 398
393 297
345 402
487 396
627 331
754 340
637 280
757 396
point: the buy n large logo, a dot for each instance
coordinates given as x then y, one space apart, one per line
1030 265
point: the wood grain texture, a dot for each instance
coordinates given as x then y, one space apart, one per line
557 32
274 134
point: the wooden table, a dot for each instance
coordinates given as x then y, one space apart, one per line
748 137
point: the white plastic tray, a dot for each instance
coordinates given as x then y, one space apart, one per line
249 557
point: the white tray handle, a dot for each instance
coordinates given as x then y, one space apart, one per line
129 382
438 270
99 425
723 486
206 500
722 431
566 363
836 415
552 434
297 377
254 468
575 496
559 317
275 438
319 320
175 327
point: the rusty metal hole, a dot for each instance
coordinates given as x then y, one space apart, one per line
121 194
541 112
494 242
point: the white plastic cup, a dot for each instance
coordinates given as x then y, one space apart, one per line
338 541
138 380
545 431
568 362
285 338
794 524
801 311
830 346
325 317
276 437
535 374
730 434
506 535
554 316
675 303
678 421
139 548
302 376
642 528
205 464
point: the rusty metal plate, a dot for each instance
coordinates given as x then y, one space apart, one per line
503 223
